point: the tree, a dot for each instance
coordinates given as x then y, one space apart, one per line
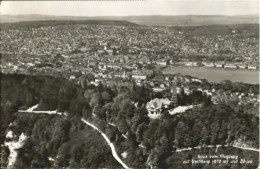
10 107
97 111
126 105
165 145
107 97
121 122
131 139
138 119
140 131
215 127
206 100
111 133
76 153
223 166
82 81
120 97
90 77
96 99
181 133
153 159
88 94
63 156
234 166
141 94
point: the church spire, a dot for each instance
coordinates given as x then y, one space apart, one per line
174 98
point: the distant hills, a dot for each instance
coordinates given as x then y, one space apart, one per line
154 20
245 30
42 23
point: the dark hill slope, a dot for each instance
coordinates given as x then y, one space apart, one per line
108 105
246 30
35 24
66 140
149 20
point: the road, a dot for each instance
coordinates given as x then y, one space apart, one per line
111 145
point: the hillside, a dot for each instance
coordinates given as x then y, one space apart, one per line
191 20
35 24
245 30
54 141
111 109
154 20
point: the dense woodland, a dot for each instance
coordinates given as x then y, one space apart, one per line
118 110
66 140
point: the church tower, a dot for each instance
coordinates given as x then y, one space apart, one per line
174 98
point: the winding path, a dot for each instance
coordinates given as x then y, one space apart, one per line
113 149
111 145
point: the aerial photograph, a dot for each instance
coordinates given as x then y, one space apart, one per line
129 84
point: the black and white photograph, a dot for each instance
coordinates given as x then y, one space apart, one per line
129 84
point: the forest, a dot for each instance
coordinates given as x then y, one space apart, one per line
119 111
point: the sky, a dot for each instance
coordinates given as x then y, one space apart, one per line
127 7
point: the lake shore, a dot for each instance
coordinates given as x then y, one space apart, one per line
216 74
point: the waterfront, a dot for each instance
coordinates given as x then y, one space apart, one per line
216 75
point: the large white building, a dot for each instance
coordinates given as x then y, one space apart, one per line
155 106
139 77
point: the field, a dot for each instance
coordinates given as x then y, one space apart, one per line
216 75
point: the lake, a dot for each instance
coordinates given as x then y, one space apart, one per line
215 74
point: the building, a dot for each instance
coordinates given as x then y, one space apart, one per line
219 65
162 62
232 66
110 52
158 89
252 67
72 77
190 64
208 64
139 77
155 107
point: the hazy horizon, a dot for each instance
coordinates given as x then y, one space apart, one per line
130 8
127 15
